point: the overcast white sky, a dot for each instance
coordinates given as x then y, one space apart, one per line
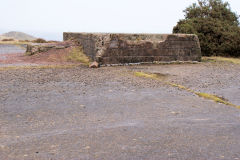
49 18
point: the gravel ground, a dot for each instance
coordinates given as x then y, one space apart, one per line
108 113
222 79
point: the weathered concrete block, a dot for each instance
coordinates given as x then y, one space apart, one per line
111 48
36 48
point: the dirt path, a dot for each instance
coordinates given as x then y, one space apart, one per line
109 113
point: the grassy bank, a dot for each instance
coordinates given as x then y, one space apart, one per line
221 59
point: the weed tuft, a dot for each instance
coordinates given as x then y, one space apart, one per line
212 97
180 86
39 40
221 59
38 67
77 55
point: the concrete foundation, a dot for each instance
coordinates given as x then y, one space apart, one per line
111 48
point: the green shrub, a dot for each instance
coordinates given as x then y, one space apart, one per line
10 39
216 26
39 40
23 41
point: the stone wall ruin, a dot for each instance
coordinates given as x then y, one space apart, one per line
111 48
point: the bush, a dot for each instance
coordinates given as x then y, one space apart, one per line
39 40
8 39
216 26
24 41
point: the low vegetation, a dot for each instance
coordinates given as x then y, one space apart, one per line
221 59
39 40
14 42
10 39
179 86
214 98
216 26
77 55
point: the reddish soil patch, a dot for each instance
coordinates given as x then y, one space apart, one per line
53 56
11 58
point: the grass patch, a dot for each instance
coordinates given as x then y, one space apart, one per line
77 55
221 59
212 97
146 75
28 54
215 98
157 77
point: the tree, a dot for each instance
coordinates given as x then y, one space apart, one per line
216 26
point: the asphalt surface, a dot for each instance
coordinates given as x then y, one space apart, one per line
108 113
9 48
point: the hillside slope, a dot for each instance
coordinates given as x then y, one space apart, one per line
17 36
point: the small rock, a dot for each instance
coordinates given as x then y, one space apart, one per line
94 65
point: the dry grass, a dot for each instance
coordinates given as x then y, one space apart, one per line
28 54
14 42
212 97
146 75
179 86
221 59
215 98
77 55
